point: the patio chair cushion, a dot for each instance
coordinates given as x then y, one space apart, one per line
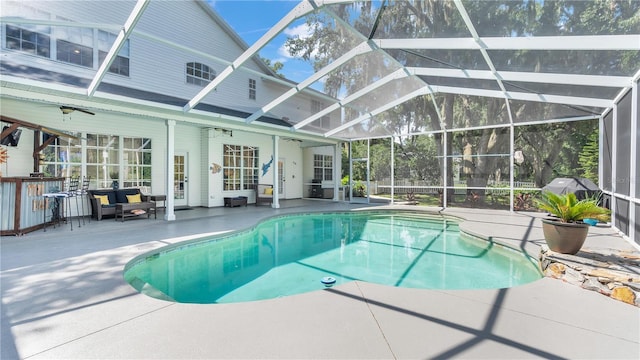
134 198
268 191
111 195
104 199
121 194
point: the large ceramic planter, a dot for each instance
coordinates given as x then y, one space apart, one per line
565 238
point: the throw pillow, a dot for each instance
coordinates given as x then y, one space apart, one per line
134 198
103 199
268 191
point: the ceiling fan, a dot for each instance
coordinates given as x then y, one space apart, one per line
69 109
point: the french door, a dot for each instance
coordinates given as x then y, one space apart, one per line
180 179
281 178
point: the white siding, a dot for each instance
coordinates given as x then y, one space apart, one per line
187 139
160 68
216 143
154 66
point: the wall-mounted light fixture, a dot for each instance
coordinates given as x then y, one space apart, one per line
223 132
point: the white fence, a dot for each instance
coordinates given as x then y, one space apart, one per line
422 187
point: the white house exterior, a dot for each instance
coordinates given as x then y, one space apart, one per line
178 46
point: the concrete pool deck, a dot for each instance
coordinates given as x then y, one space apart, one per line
63 297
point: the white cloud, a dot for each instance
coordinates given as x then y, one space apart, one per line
284 52
301 31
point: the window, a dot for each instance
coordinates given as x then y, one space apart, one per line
323 167
102 159
28 41
240 167
137 162
252 89
29 38
74 44
199 74
63 157
74 53
102 154
120 64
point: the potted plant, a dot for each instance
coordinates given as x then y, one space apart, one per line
565 231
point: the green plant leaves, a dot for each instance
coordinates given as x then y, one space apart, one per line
568 208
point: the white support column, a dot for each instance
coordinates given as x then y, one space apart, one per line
392 162
444 169
169 215
633 165
368 171
276 181
350 183
336 172
614 167
511 165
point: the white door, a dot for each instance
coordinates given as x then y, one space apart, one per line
281 178
180 179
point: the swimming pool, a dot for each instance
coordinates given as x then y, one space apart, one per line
292 254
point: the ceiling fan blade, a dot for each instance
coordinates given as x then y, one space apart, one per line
70 109
84 111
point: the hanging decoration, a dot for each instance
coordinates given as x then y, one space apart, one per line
215 168
266 166
3 157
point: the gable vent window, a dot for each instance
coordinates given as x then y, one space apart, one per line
252 89
199 74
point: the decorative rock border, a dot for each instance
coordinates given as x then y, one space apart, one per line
610 272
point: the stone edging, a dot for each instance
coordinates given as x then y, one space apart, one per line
610 272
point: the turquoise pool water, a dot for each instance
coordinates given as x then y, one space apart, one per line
291 254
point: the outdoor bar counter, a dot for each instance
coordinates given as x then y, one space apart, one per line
24 208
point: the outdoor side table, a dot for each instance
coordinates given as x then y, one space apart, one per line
235 201
156 199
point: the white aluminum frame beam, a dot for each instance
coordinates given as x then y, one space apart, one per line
23 21
122 37
475 92
360 49
587 42
300 10
549 78
485 54
422 91
398 74
512 95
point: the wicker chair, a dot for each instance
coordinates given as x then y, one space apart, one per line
264 194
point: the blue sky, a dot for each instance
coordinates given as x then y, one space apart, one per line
253 18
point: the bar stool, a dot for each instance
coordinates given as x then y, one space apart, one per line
72 191
82 193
